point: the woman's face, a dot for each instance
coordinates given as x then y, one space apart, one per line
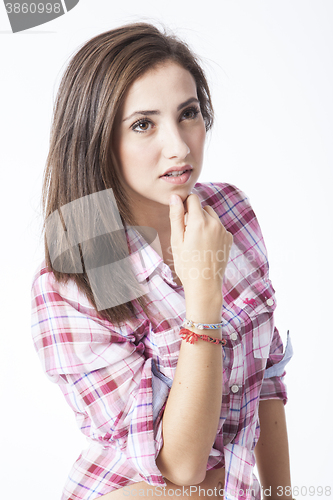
159 127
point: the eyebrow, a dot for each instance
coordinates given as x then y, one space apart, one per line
156 112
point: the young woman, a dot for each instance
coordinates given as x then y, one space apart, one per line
167 411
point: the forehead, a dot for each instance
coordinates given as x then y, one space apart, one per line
167 83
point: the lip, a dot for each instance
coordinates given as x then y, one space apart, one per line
179 179
177 169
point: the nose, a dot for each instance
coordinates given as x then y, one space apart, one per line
174 144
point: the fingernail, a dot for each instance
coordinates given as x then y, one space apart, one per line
174 199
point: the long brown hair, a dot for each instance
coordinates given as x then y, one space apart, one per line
81 160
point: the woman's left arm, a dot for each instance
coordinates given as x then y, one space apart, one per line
272 451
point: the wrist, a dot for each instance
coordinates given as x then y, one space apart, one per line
204 315
203 296
201 312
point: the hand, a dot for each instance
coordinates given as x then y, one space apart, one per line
201 249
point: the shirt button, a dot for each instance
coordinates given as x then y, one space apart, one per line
234 388
233 336
269 302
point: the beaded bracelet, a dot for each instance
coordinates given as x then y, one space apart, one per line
202 326
192 337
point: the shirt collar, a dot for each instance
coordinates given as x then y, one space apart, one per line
143 257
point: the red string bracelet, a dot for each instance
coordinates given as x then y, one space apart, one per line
192 337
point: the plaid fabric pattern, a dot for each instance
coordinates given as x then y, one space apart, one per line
117 380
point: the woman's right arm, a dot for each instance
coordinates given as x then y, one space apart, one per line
192 412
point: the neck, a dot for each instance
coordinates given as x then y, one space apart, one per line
154 215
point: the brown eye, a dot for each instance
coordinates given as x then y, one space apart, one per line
141 126
190 113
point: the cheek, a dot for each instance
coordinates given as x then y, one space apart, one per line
136 157
198 139
128 152
203 136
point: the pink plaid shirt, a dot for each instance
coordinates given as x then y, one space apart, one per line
117 380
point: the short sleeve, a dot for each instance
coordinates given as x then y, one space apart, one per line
273 386
102 371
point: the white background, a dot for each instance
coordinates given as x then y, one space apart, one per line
269 64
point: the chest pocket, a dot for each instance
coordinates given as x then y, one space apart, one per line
166 345
258 301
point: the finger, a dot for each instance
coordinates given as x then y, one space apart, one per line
176 215
211 211
231 238
194 207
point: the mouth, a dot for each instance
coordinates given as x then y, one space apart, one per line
177 171
177 176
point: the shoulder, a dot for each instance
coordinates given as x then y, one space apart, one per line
229 202
218 189
46 289
58 303
221 196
